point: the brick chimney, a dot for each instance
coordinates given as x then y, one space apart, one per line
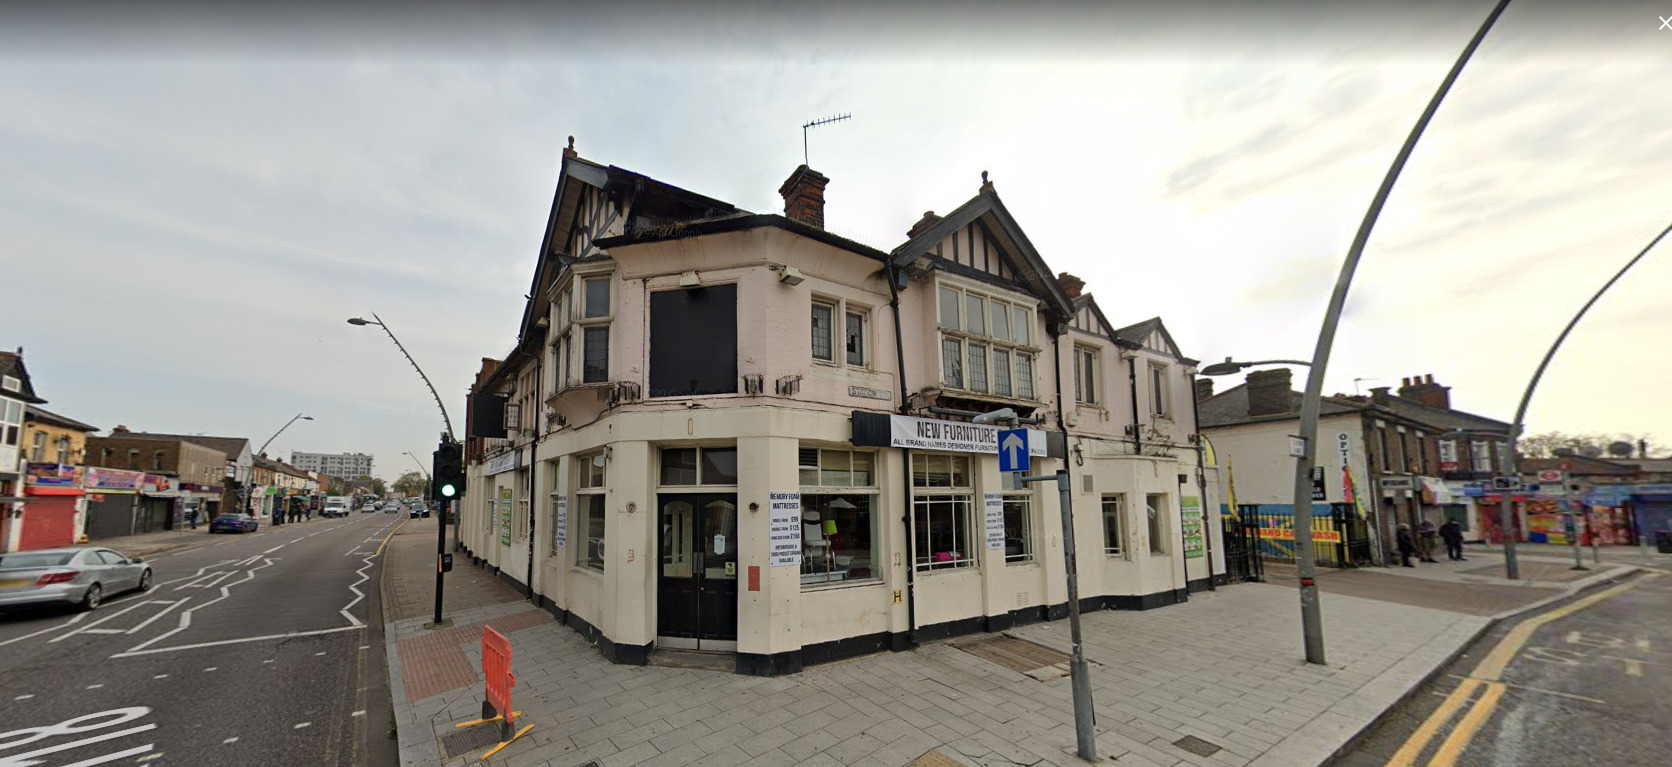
119 429
804 196
1423 389
1204 388
569 151
1269 392
1379 395
923 224
1071 285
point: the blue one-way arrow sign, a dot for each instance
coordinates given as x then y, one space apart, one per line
1013 450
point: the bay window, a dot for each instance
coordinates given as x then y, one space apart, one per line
986 343
582 312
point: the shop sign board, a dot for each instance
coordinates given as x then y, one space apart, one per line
112 479
953 436
503 462
994 505
50 475
784 529
505 516
1195 541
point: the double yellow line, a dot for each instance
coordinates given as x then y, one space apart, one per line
1487 676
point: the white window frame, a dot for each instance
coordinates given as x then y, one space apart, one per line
878 555
37 447
571 323
840 308
1157 519
11 383
1161 405
1019 492
1019 354
965 533
1087 376
586 487
1119 548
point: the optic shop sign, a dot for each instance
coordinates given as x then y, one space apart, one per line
953 436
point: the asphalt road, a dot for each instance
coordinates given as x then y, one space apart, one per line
1585 682
253 649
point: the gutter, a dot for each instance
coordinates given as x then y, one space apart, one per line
1202 489
891 272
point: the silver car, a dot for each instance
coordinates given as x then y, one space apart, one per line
76 576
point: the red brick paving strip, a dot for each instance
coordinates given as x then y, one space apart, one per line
434 663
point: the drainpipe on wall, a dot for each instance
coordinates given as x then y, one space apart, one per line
892 274
1132 381
533 468
1202 486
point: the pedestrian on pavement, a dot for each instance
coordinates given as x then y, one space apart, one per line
1452 533
1427 533
1407 545
191 516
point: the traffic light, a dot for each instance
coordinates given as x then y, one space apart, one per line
448 471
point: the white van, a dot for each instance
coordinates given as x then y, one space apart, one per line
336 506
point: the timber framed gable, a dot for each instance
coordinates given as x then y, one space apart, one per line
982 241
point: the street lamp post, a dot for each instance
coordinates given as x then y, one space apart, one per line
422 471
1311 623
441 528
263 451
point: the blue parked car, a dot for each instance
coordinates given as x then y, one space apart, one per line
232 523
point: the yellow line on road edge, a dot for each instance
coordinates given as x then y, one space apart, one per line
1408 753
1452 747
1489 671
391 534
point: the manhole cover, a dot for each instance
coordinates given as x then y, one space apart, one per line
471 740
1015 654
1196 745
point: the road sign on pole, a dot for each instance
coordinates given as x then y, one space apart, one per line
1013 450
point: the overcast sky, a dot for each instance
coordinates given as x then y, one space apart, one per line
191 205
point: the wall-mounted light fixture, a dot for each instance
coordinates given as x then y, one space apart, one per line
688 280
791 276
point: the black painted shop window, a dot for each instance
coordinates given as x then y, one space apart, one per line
693 341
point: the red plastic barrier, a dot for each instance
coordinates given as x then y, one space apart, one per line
496 669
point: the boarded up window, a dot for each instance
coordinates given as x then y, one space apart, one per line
693 341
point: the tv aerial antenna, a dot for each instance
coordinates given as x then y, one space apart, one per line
814 124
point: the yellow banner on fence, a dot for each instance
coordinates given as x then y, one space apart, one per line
1288 534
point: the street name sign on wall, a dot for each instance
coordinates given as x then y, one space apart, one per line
784 529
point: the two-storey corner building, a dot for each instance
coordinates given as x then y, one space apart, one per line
17 392
52 515
741 433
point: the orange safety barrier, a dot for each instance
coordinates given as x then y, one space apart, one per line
496 670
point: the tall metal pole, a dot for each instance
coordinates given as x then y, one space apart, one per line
1085 718
1527 398
378 321
1312 625
263 450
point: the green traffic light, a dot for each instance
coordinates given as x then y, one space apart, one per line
449 491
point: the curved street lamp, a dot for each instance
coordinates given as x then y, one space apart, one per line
421 470
299 416
1228 367
441 529
378 321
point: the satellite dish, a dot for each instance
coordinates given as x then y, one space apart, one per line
1620 449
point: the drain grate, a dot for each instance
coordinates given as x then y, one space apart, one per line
1018 655
1196 745
471 740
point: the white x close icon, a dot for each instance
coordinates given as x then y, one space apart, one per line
1665 22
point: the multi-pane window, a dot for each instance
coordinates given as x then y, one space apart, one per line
827 313
1480 454
1018 521
11 383
11 421
589 511
583 314
64 448
839 520
823 349
1112 530
1422 454
699 466
986 344
1085 375
1159 404
1155 505
37 451
943 503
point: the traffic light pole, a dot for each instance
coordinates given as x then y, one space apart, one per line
440 569
446 484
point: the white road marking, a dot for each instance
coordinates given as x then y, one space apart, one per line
212 668
365 647
355 587
293 634
26 758
23 697
186 617
361 712
317 654
49 629
160 613
149 757
300 726
269 660
229 740
94 686
160 676
112 616
103 631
